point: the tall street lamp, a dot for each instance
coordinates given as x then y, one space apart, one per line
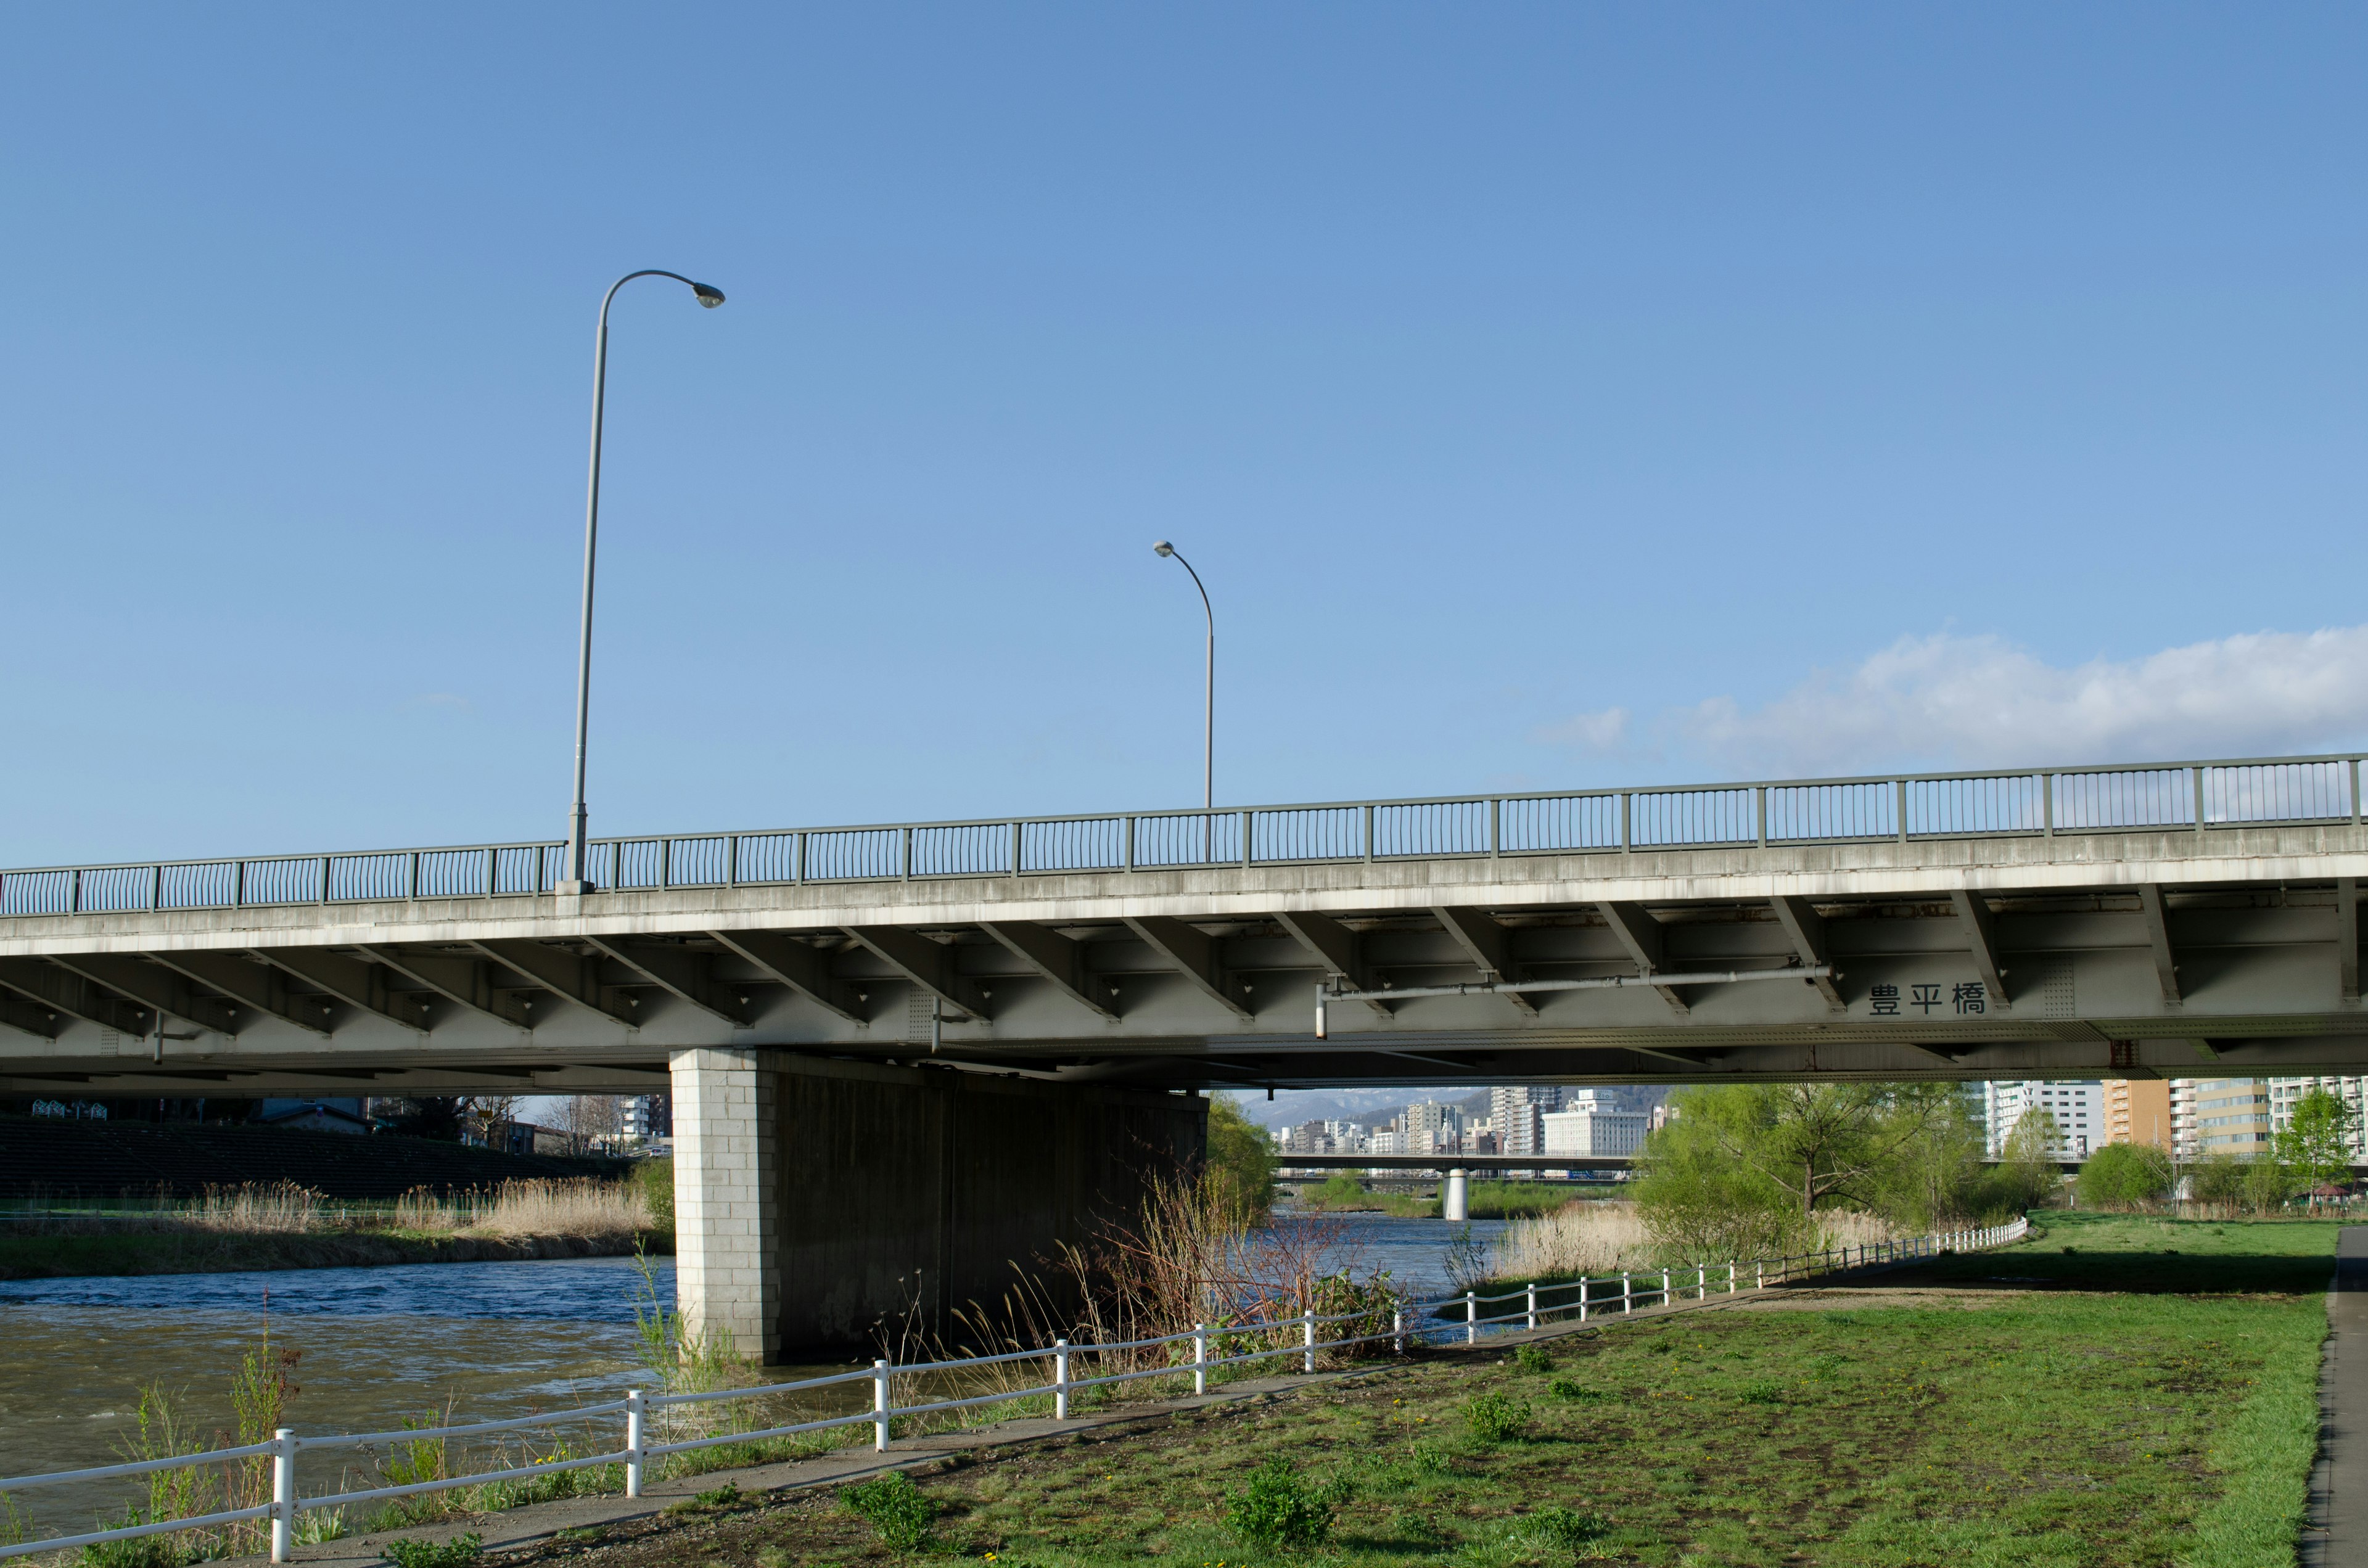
1207 711
577 882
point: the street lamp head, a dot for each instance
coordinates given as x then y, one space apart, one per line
709 294
1163 548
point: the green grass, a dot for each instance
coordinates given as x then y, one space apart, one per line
2130 1408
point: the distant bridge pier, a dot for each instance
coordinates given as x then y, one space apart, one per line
1455 1197
822 1204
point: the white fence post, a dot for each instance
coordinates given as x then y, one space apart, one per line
1664 1287
879 1406
1702 1281
633 1442
1533 1304
1627 1293
283 1494
1582 1297
1059 1380
1397 1330
1199 1358
1470 1319
1307 1335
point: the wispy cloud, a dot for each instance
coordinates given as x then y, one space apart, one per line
1983 702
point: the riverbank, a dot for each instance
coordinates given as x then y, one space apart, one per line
214 1252
2108 1391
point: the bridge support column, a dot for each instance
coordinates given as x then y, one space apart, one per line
727 1190
1455 1198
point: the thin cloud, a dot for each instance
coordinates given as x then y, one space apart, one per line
1984 703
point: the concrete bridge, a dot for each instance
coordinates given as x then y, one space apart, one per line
861 1013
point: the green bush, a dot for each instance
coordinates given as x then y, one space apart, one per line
2125 1175
1279 1509
1532 1358
897 1511
459 1552
1571 1387
1496 1416
657 1178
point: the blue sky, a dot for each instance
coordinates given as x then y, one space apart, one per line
1549 395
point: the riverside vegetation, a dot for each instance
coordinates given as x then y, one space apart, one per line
2112 1391
285 1226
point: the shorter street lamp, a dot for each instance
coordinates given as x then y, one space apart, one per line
1208 708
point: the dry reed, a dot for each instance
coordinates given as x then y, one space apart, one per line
1603 1238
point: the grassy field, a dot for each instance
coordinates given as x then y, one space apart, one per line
2113 1392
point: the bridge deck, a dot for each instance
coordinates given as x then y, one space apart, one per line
1969 932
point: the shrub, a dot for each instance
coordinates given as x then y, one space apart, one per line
2125 1175
899 1513
1764 1391
1571 1387
1532 1358
459 1552
1496 1416
1278 1509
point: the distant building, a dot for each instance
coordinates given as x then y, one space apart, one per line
2219 1116
1431 1127
2076 1105
314 1116
1514 1111
2287 1093
648 1118
2137 1110
1593 1131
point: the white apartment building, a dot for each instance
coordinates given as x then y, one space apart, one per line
1514 1109
2285 1093
1590 1130
1429 1127
2078 1105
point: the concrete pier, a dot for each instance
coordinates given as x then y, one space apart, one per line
1455 1197
822 1205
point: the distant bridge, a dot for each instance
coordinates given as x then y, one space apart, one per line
2171 918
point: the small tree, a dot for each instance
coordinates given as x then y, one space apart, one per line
2315 1145
1237 1173
2125 1175
2028 1166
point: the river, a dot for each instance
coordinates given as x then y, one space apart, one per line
487 1340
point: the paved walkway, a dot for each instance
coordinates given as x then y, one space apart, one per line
2337 1535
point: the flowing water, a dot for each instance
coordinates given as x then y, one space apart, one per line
484 1340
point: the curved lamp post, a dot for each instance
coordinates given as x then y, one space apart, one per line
576 882
1207 712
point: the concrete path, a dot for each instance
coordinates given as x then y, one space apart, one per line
2337 1536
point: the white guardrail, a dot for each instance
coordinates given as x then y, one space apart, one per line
1434 1321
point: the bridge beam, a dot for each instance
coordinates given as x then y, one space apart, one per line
356 981
2157 930
249 982
679 973
926 964
2347 940
1053 956
1334 946
1487 945
788 961
574 977
1981 936
1805 928
466 981
1642 936
158 988
1192 953
55 994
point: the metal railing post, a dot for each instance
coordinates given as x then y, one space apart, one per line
879 1406
1199 1358
1582 1297
1397 1330
1701 1282
1307 1334
1059 1380
1664 1287
1760 1274
1627 1294
1245 841
283 1494
633 1442
1470 1318
1369 834
2199 800
1730 1277
1533 1304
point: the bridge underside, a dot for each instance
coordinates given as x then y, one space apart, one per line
2178 953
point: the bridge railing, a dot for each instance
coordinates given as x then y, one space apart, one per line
1213 1348
2035 803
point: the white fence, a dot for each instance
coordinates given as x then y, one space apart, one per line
1446 1320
